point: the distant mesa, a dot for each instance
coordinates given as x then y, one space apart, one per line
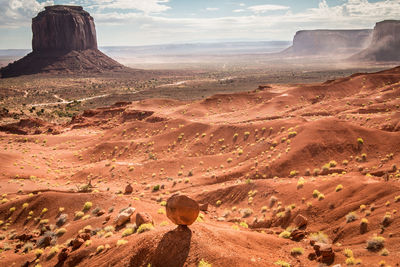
377 45
329 42
64 41
385 44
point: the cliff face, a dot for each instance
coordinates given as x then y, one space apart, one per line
328 42
64 41
64 28
385 44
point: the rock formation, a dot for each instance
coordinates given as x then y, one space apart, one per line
385 44
64 41
328 42
182 210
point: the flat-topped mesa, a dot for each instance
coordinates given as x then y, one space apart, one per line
64 41
327 42
63 28
385 44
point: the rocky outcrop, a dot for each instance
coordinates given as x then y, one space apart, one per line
328 42
385 44
63 28
64 41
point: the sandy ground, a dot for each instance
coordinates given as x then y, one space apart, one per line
257 158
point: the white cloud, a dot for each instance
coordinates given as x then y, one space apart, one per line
15 13
242 4
146 6
140 24
267 8
212 8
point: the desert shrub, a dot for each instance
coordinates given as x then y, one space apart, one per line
61 231
28 246
297 251
145 227
300 183
375 243
244 224
127 232
351 216
360 141
282 263
246 212
87 206
339 188
53 251
78 215
345 162
319 237
316 172
348 253
203 263
285 234
100 248
332 163
218 202
61 220
156 187
316 193
38 252
321 196
384 252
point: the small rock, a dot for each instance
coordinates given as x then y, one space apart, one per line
297 235
260 223
182 210
203 207
300 221
128 189
124 216
325 253
143 217
63 255
84 236
100 212
77 243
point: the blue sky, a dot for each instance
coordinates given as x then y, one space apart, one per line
145 22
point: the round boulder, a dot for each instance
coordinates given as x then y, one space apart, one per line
182 210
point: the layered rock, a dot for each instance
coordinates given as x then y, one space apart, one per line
385 44
328 42
64 41
63 28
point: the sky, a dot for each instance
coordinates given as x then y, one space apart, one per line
149 22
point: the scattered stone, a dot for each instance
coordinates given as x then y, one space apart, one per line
300 221
84 236
260 223
124 216
203 207
24 237
143 217
182 210
297 235
100 212
63 255
324 253
128 189
77 243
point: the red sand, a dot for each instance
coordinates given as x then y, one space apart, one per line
228 151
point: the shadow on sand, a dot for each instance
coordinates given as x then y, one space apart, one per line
172 250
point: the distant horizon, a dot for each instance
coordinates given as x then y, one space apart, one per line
163 22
